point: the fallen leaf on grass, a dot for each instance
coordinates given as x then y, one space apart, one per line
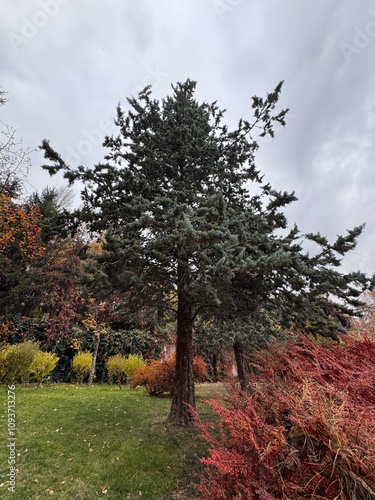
104 490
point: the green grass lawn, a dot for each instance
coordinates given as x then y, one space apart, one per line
81 443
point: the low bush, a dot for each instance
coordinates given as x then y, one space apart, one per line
3 353
120 368
116 368
158 377
42 365
16 360
307 431
132 364
81 365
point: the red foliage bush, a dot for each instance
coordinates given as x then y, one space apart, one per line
307 431
158 377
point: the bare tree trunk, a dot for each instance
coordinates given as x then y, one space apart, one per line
184 392
214 368
94 356
238 354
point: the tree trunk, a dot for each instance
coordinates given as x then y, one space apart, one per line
183 393
214 368
94 356
238 354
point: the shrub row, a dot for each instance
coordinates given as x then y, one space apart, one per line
22 362
158 377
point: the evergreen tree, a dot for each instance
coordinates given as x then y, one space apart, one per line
53 204
307 294
182 231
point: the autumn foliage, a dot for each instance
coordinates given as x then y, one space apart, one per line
120 368
19 230
307 430
158 377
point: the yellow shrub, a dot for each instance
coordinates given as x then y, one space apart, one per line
17 361
43 364
116 368
81 365
3 354
132 364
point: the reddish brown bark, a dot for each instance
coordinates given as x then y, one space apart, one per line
238 354
184 392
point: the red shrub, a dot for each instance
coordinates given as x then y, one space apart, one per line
306 432
158 377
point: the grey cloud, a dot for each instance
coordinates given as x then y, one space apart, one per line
65 81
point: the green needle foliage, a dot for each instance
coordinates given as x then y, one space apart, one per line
181 229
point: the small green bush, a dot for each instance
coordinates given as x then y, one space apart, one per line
132 364
42 365
81 365
116 368
16 360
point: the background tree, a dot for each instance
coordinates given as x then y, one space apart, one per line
20 248
95 323
14 158
20 243
365 325
308 294
181 226
53 204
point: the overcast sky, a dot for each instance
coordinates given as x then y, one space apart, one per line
66 64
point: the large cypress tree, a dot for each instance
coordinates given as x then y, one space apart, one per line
180 223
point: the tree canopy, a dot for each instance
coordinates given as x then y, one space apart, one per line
182 231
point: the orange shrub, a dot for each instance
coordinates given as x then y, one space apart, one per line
200 369
158 377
